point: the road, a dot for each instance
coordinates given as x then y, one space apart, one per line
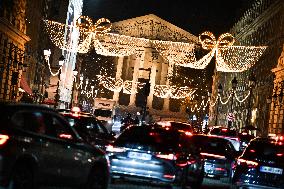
207 184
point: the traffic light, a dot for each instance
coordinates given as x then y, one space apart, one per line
146 89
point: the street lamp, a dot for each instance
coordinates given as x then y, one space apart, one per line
75 73
252 83
220 88
234 86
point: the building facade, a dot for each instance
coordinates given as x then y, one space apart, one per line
147 65
261 25
12 48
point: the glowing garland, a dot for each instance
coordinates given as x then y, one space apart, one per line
204 104
176 52
118 45
84 27
162 91
229 58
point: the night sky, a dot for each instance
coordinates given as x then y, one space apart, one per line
194 16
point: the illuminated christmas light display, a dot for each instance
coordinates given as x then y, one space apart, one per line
85 28
204 104
162 91
118 45
177 52
229 58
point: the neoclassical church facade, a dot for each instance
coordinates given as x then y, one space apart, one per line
147 64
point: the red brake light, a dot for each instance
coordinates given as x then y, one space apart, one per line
213 155
167 156
76 109
3 139
279 155
65 136
225 130
250 164
188 133
252 150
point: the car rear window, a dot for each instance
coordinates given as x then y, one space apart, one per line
223 132
212 145
264 150
151 139
181 126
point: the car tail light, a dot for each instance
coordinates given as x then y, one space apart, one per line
220 169
188 133
169 176
167 156
279 155
248 163
213 155
3 139
111 148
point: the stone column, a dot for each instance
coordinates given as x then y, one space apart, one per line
137 65
118 76
155 57
167 100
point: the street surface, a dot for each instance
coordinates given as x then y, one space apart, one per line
207 184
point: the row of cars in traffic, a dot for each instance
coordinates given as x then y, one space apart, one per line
42 146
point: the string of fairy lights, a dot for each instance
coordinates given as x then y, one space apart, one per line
229 58
130 87
204 103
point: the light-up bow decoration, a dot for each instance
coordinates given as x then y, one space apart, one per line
229 58
76 37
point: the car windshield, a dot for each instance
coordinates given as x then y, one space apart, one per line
223 132
151 139
213 145
264 150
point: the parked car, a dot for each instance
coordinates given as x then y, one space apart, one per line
89 128
39 147
219 155
155 154
230 134
261 165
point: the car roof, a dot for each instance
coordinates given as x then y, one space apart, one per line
12 105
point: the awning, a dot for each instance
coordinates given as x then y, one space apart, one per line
24 85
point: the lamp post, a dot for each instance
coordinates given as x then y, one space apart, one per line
57 95
75 73
61 60
220 88
252 83
234 86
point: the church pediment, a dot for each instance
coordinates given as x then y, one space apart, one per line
152 27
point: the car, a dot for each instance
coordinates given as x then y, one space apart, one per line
245 138
230 134
89 128
155 154
180 126
38 147
261 165
219 156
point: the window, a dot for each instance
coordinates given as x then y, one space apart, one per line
29 121
57 127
